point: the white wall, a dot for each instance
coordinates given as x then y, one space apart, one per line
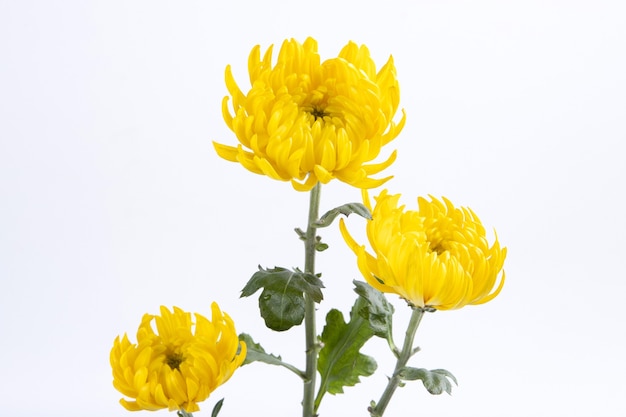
113 202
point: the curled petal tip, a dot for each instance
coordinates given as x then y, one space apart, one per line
337 106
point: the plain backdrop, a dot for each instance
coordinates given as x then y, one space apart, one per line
113 202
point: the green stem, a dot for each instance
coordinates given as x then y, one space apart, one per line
183 413
292 369
308 407
403 358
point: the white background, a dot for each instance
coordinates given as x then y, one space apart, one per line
113 202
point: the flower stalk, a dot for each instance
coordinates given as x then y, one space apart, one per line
308 122
403 358
308 404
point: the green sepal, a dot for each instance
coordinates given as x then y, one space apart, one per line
346 210
282 300
378 311
435 381
340 363
217 408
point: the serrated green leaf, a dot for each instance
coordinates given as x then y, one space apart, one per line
217 408
435 381
256 353
282 300
378 311
340 363
346 210
447 374
281 279
281 309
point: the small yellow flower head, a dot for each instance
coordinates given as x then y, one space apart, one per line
180 364
435 257
309 121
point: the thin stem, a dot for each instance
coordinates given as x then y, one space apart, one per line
403 358
308 407
183 413
293 369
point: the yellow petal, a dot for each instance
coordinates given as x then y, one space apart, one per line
435 256
227 152
306 120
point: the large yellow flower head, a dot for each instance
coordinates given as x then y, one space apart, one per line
436 257
309 121
180 364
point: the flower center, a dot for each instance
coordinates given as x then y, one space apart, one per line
174 360
318 113
438 248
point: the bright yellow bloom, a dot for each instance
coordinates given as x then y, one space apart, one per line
180 364
435 257
307 121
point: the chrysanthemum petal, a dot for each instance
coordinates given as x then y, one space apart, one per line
493 295
176 367
130 405
437 256
376 168
368 183
307 121
308 185
227 152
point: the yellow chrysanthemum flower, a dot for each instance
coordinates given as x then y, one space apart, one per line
180 364
435 257
309 121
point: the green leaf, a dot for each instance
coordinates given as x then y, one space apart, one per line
301 233
281 309
346 210
321 246
256 353
435 381
378 311
282 279
340 362
282 300
217 408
